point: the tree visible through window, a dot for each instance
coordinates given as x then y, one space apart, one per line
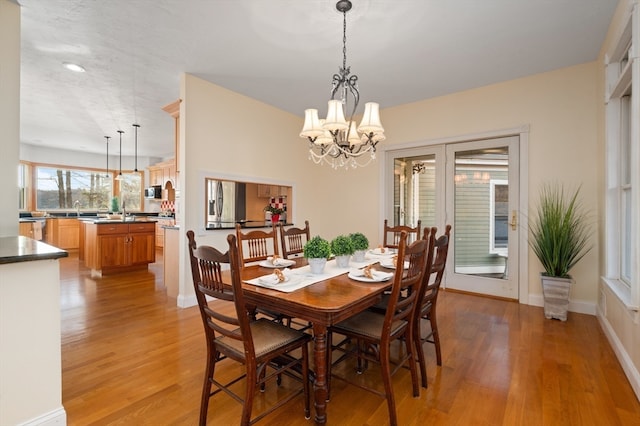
58 188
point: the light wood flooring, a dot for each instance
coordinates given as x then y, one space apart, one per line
131 357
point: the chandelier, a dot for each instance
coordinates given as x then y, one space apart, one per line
334 140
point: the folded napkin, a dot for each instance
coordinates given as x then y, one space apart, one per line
272 279
278 261
377 275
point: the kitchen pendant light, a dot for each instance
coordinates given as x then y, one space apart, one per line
136 126
120 175
335 140
107 138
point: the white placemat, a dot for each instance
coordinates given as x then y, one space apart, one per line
302 277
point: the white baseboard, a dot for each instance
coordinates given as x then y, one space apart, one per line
623 357
186 302
57 417
578 306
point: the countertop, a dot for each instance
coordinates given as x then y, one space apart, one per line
24 249
243 224
101 221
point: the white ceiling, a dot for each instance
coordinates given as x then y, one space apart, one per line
281 52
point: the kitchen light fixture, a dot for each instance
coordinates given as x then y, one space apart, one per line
107 138
136 126
334 140
120 175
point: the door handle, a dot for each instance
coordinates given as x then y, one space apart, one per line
514 220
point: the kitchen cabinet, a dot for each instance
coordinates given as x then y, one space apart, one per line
118 247
63 233
269 191
173 109
31 229
160 224
164 174
156 176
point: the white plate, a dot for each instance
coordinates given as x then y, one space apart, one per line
358 275
378 252
282 263
388 263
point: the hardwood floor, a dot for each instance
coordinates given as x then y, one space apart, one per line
131 357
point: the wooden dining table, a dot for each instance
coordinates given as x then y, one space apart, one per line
322 304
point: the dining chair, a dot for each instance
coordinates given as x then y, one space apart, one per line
391 235
373 332
254 246
293 239
427 304
257 344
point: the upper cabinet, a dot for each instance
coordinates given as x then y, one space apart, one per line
174 110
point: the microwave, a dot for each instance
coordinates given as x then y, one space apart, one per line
153 192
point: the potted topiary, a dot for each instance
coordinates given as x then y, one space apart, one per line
317 250
275 212
342 249
559 238
360 246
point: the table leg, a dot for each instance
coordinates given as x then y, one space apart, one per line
320 383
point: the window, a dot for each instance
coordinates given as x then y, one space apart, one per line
58 188
623 163
22 186
131 191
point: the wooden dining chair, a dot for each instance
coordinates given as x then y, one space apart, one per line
257 344
427 304
254 246
391 235
292 240
368 334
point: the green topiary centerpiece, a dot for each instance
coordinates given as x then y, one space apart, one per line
317 250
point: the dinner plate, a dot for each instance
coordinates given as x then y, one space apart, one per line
378 252
379 276
282 263
388 263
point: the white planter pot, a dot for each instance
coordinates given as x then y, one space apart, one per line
343 261
556 296
317 265
358 255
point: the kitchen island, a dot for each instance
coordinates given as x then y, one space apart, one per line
116 246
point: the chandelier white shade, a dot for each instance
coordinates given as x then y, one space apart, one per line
334 140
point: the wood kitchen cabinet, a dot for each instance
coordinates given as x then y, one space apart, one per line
63 233
268 191
118 247
160 230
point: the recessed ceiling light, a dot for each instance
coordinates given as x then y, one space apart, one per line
73 67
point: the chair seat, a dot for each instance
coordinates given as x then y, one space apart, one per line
367 324
268 336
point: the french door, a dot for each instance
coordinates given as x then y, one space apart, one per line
474 186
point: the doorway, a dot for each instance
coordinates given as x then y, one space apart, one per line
474 186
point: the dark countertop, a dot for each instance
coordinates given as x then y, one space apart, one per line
24 249
243 224
101 221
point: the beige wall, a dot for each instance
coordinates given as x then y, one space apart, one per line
9 114
561 108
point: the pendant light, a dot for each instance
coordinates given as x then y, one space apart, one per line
120 175
136 126
107 138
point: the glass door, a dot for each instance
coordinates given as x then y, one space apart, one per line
482 200
474 187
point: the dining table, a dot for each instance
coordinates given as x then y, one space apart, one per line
329 299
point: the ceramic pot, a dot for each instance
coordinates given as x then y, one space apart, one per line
343 261
556 296
358 255
275 218
317 265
